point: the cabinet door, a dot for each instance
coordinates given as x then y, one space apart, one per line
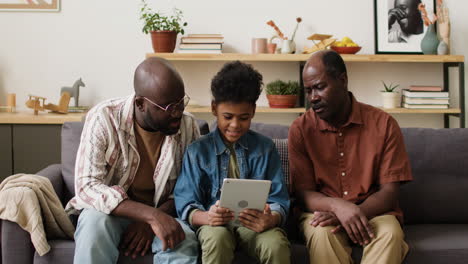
35 147
6 159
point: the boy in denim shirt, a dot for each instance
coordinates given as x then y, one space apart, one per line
234 151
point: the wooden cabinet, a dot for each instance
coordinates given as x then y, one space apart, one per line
446 61
29 143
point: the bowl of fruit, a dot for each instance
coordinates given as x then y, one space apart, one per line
345 46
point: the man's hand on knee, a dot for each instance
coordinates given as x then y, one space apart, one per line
354 222
167 229
137 239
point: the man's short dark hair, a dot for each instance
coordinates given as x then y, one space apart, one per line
334 64
236 82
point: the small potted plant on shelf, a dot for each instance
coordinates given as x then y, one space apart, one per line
163 29
390 97
282 94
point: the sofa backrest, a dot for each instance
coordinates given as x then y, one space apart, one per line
438 193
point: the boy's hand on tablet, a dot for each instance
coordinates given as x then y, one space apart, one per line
259 221
218 216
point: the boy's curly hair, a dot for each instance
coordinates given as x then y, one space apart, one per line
236 82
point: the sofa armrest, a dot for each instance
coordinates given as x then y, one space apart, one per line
16 244
54 174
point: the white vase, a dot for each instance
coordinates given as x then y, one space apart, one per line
391 100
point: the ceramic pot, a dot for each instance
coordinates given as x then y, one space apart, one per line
163 40
288 46
281 101
390 100
430 42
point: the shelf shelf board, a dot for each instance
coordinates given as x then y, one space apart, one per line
264 109
304 57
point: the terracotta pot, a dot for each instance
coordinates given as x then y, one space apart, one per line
163 40
281 101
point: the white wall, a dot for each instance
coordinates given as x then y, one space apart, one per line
101 41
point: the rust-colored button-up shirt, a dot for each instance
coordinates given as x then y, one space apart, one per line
349 162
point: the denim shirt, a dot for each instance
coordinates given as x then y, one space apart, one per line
206 165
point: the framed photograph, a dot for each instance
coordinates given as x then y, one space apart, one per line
30 5
399 27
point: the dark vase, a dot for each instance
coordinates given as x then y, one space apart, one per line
430 42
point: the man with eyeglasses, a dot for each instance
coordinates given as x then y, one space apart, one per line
127 164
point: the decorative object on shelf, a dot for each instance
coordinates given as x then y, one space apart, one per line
37 103
430 42
11 104
74 91
345 46
34 102
399 26
288 46
41 6
390 97
321 42
282 94
62 106
163 29
259 45
443 28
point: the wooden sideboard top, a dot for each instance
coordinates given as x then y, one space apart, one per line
28 117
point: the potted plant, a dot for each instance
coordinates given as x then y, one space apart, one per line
282 94
390 97
163 29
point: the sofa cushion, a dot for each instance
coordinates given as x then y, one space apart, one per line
437 243
438 192
71 134
282 147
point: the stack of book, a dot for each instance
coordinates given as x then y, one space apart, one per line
202 43
425 97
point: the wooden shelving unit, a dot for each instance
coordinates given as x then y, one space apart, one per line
447 61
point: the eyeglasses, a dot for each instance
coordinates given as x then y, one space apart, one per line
173 108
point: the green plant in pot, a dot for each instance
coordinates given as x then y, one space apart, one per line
281 94
390 97
163 29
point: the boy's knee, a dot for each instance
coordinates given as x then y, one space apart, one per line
215 237
389 229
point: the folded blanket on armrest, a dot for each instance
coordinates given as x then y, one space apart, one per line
31 202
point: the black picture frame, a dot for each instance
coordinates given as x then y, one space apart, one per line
382 33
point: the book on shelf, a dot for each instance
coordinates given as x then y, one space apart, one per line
198 51
202 40
442 95
425 88
425 106
210 46
78 109
428 100
205 35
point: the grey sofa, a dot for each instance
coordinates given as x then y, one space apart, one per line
436 218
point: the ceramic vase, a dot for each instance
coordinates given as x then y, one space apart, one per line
442 49
430 42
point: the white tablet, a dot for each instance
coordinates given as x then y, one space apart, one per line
240 194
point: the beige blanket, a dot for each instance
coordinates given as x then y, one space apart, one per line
31 202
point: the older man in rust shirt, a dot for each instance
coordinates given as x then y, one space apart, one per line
347 161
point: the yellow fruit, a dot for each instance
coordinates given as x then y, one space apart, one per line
347 40
352 45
